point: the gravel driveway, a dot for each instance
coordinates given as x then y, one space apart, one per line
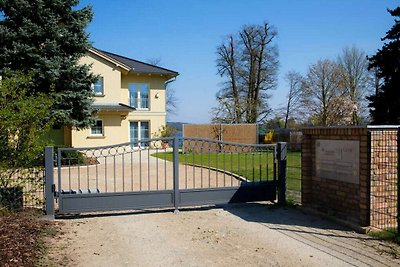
257 234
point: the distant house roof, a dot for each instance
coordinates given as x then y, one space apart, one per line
137 66
112 107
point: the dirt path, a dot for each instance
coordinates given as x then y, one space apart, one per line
247 234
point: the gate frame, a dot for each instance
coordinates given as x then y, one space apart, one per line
49 181
175 194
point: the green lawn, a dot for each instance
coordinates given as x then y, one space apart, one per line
254 167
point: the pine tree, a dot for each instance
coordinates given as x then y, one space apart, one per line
46 38
385 104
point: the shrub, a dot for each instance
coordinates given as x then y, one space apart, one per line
72 157
23 120
268 139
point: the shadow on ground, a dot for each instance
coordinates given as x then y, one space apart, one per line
279 217
321 234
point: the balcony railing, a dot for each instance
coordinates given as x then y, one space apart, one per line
139 102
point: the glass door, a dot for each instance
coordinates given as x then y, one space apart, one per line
138 130
134 133
144 132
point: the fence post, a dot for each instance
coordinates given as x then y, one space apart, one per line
49 181
398 181
281 155
176 173
369 177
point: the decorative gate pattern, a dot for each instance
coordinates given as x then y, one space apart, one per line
156 173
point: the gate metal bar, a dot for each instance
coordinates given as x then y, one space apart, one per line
282 155
250 182
49 176
176 173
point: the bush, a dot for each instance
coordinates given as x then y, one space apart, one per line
72 157
11 198
269 137
24 118
166 131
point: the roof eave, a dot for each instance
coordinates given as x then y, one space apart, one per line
124 108
111 60
170 75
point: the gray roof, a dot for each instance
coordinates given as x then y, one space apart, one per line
112 106
138 66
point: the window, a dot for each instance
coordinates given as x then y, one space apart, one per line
139 130
98 87
139 95
97 128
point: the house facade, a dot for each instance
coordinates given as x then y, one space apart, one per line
130 97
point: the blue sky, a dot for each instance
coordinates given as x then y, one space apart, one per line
184 34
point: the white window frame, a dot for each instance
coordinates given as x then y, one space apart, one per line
139 123
102 129
139 99
102 87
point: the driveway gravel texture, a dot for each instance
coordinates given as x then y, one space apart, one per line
254 234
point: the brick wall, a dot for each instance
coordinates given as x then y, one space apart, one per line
384 160
348 201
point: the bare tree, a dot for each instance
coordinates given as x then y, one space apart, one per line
249 60
171 101
224 112
295 81
324 96
156 61
355 78
227 64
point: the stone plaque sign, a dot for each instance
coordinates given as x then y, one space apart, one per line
337 160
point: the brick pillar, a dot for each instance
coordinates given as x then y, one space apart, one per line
365 179
306 169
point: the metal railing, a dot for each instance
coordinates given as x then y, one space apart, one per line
139 102
161 165
227 163
116 168
24 188
138 167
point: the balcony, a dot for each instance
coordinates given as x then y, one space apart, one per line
139 103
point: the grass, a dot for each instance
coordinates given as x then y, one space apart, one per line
293 170
388 234
254 167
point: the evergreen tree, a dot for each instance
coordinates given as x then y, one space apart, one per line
46 38
385 104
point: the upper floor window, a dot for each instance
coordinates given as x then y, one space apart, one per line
139 95
98 86
97 128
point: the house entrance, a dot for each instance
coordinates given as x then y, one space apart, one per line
138 130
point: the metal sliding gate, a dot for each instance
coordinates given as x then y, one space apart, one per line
168 173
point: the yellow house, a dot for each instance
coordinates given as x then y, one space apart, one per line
130 97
